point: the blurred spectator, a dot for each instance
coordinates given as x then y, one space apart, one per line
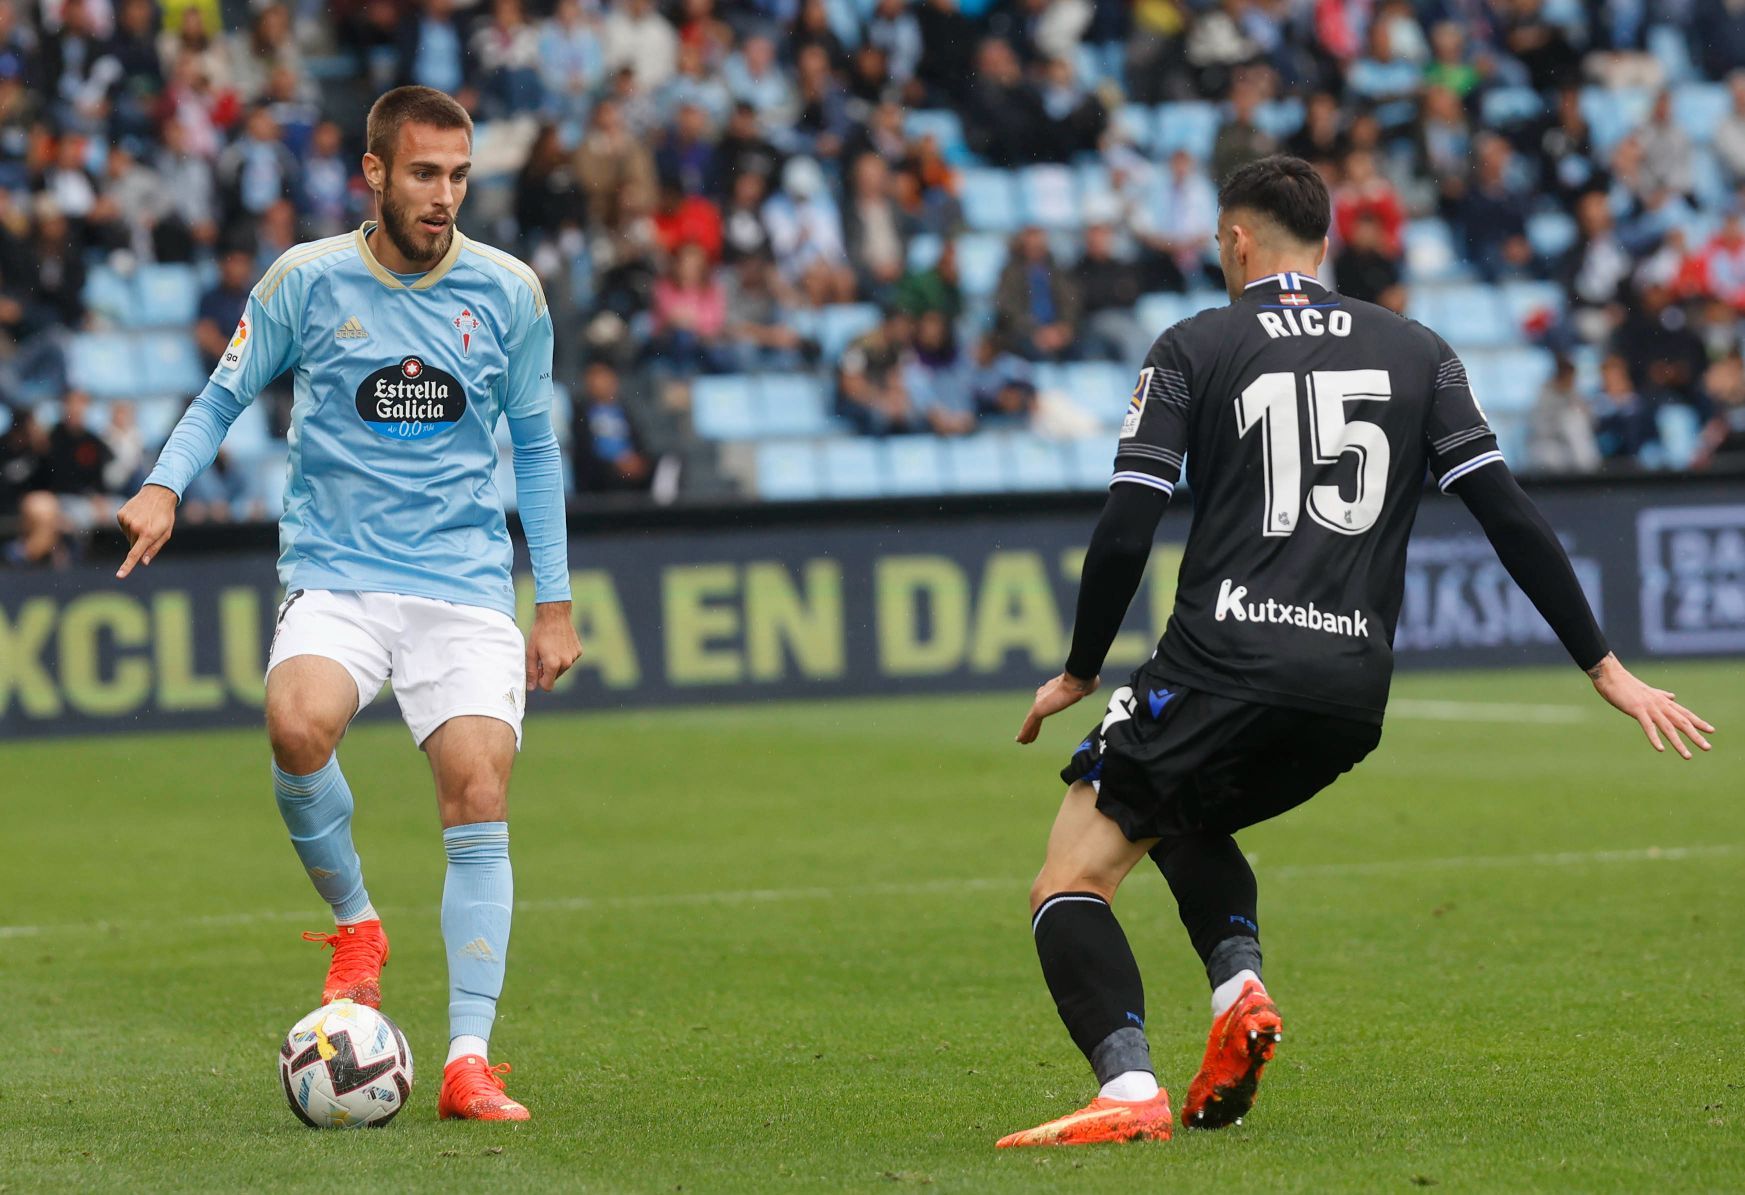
1718 268
874 228
1002 383
1007 123
936 287
128 207
1665 355
75 464
433 50
1109 287
1366 269
607 457
760 328
613 167
1388 76
1626 419
870 392
1668 157
822 124
1595 267
547 199
742 228
1217 44
505 50
934 381
806 235
256 171
1444 147
1240 139
136 72
1076 117
1567 159
690 314
893 29
329 200
222 306
572 60
743 149
1452 67
1036 304
1321 140
1560 431
192 188
267 45
1494 214
57 271
219 494
1541 46
681 219
1729 138
686 157
127 461
1364 192
635 35
756 79
23 456
1723 436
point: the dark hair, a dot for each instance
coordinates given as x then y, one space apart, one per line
411 105
1285 189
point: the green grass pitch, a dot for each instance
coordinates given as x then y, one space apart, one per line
784 948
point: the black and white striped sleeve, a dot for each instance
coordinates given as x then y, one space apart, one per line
1154 434
1457 436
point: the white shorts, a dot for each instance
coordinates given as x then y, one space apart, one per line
445 660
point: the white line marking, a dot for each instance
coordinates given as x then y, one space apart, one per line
1484 711
946 887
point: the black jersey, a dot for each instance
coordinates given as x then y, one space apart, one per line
1306 421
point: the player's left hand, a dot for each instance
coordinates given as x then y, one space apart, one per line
1051 698
553 647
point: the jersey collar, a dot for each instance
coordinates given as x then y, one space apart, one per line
386 277
1290 280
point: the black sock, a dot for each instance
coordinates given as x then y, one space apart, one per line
1215 893
1094 980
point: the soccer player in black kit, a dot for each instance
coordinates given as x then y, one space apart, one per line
1309 420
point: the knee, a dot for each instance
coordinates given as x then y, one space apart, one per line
479 798
300 744
1052 881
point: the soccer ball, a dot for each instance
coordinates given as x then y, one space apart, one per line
345 1066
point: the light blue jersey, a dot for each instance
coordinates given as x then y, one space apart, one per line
400 382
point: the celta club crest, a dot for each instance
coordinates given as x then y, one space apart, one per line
466 323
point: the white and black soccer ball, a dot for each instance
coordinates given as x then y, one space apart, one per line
345 1066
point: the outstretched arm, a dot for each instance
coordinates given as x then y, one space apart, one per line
149 516
1114 566
1529 549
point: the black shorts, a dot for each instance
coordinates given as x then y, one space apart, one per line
1168 759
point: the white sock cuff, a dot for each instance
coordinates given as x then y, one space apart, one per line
1226 993
466 1044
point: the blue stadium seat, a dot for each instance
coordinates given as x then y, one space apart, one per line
974 465
157 416
167 363
1035 463
980 257
1431 255
911 465
1135 124
1551 233
924 250
1713 192
1102 388
1506 106
1091 462
108 296
250 438
103 363
1468 315
1512 436
1667 44
792 404
1699 108
1280 118
841 323
722 408
990 201
787 470
1047 375
1613 112
850 468
1507 381
1191 125
1050 198
169 296
1680 434
945 128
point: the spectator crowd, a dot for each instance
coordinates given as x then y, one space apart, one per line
705 185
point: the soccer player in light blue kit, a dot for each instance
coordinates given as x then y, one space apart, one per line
408 342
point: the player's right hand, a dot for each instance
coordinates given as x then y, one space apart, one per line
1654 708
1051 698
147 519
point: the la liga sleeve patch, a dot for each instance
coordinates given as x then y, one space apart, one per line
238 347
1136 404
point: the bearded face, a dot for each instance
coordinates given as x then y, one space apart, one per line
419 233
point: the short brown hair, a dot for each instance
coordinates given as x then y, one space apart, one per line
411 105
1287 189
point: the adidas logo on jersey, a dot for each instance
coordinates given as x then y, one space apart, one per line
351 329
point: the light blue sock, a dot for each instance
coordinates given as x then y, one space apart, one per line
317 811
476 900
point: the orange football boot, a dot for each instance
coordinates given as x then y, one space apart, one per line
471 1090
1241 1044
359 950
1099 1121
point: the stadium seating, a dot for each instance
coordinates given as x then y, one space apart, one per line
990 200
